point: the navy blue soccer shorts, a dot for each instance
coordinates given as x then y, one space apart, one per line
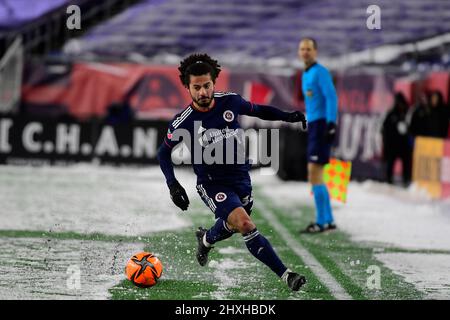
318 148
222 199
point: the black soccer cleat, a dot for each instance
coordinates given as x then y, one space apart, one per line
202 250
294 280
317 228
313 228
330 226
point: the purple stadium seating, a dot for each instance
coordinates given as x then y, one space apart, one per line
14 13
261 29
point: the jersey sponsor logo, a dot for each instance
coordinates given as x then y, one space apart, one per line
220 197
200 130
213 136
228 115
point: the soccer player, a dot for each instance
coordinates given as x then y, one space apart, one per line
212 117
321 113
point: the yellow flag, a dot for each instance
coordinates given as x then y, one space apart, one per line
337 176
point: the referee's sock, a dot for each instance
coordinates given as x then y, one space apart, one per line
323 206
328 211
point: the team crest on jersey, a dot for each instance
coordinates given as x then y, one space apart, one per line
169 134
309 93
228 116
221 197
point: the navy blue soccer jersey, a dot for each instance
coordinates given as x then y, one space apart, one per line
212 131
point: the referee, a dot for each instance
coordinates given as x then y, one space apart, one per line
321 113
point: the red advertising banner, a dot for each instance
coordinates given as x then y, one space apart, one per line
89 89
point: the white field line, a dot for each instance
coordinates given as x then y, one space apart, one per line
324 276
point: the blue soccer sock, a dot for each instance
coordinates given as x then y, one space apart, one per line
323 205
328 211
219 231
261 248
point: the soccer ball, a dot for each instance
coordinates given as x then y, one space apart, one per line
144 269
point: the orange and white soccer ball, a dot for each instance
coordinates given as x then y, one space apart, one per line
144 269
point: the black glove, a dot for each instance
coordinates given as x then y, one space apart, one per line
297 116
330 133
178 195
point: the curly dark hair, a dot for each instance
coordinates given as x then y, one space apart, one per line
198 64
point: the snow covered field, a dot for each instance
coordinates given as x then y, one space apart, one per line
87 199
385 216
35 268
83 199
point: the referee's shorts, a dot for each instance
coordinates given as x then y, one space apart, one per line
318 147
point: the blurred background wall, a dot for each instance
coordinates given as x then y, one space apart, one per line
106 88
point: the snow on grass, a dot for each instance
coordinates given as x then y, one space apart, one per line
428 272
39 268
384 215
226 271
232 251
402 218
374 212
82 199
135 201
88 199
